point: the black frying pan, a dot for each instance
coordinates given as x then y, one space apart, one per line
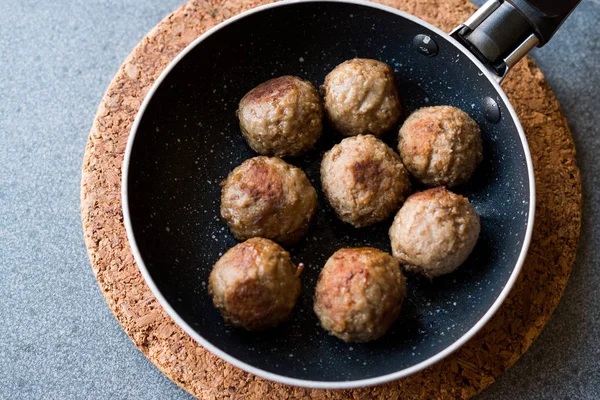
186 139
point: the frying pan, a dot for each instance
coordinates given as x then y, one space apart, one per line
186 139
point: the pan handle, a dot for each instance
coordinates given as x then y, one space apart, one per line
545 16
502 32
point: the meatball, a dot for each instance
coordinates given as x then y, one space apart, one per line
255 284
267 197
361 97
440 146
281 117
434 232
359 294
364 180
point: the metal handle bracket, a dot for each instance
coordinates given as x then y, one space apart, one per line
499 35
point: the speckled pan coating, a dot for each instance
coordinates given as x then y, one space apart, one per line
186 143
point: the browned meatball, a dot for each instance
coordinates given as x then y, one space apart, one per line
364 180
267 197
359 294
361 97
281 117
255 285
440 146
434 232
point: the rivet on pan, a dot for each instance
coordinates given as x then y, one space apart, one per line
491 110
425 45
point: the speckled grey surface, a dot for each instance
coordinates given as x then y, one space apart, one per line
58 338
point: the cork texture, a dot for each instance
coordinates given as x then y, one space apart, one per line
465 373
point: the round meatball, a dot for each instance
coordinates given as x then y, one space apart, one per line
267 197
361 97
281 117
359 294
255 284
364 180
434 232
440 146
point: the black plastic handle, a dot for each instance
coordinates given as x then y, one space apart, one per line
545 16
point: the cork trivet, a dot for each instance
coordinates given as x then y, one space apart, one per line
468 371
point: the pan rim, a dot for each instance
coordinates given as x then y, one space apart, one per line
350 384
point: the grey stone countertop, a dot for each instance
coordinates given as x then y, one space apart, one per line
58 338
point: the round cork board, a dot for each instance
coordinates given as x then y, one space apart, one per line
465 373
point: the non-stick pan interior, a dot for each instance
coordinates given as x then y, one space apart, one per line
188 140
